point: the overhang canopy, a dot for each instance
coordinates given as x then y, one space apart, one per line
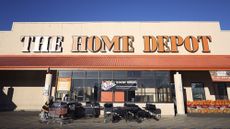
115 62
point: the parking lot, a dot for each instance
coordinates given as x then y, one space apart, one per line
30 120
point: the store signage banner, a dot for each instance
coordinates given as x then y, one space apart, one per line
220 76
64 84
119 85
126 85
117 44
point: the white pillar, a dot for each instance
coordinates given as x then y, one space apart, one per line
48 87
228 91
179 94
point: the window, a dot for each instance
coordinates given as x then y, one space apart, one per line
65 74
198 91
85 90
150 86
134 73
157 95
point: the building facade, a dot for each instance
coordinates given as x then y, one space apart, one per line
179 66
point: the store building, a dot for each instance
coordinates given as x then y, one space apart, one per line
166 63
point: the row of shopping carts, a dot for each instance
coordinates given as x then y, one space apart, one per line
130 112
66 111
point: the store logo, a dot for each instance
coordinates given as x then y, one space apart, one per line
107 85
116 44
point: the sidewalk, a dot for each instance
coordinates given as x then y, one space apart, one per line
30 120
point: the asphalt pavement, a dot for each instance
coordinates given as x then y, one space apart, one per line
30 120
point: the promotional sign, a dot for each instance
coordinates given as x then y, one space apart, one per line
106 96
220 76
119 96
64 84
126 85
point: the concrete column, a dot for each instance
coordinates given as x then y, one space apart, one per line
48 87
179 94
228 91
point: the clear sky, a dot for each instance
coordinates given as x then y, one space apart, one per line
113 10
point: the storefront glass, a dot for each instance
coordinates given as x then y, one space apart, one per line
221 91
119 86
198 91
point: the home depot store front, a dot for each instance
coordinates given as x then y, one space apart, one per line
114 62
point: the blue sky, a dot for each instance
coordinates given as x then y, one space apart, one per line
113 10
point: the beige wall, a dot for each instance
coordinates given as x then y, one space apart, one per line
10 40
167 109
22 90
28 98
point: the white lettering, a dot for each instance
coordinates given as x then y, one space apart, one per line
26 40
45 44
37 43
56 44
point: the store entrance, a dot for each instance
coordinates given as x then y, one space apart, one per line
221 91
130 96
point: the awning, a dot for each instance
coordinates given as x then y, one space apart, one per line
115 62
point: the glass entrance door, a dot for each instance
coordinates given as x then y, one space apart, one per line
221 91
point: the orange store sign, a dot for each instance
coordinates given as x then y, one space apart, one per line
110 96
117 44
220 76
64 84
